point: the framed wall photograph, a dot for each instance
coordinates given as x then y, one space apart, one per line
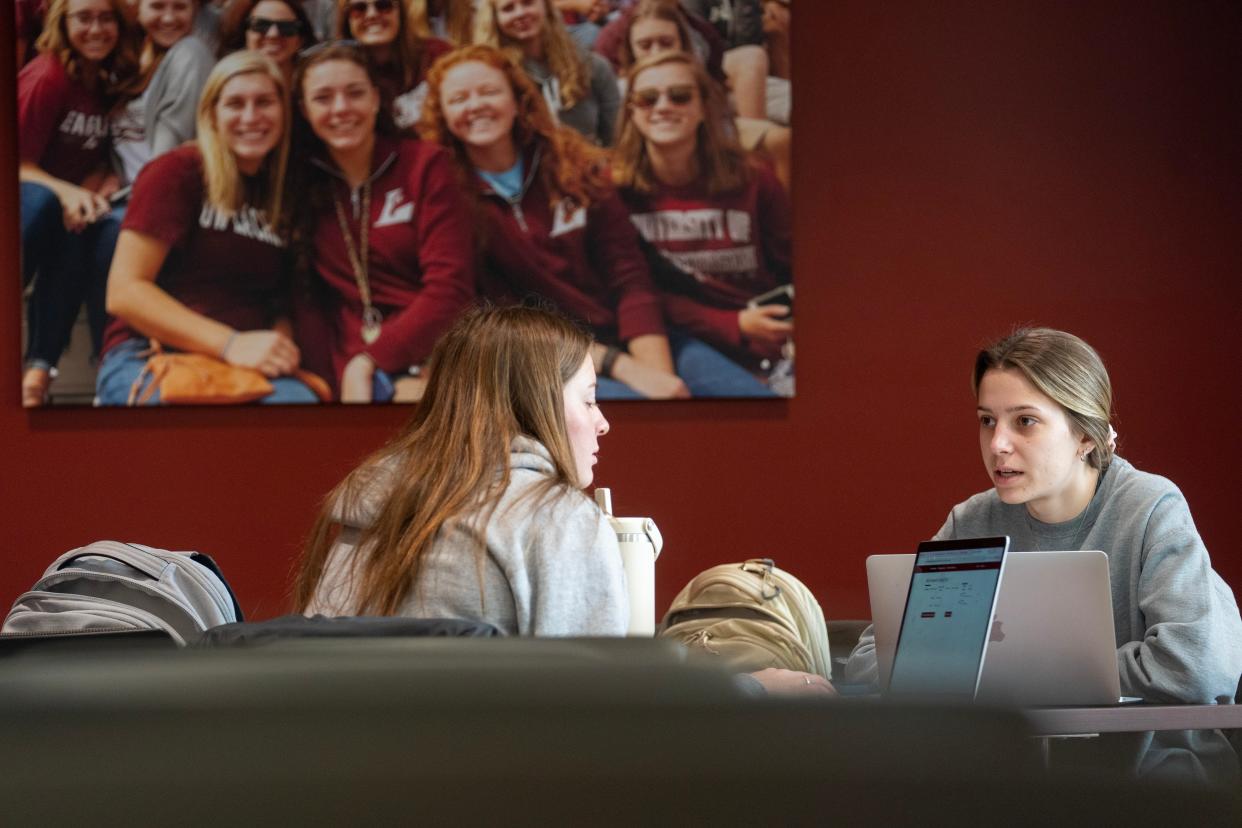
288 201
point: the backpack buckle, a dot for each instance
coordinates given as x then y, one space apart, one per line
763 567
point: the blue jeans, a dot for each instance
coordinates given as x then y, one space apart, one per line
705 371
122 366
382 388
42 227
68 269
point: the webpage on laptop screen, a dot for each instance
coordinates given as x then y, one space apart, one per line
948 614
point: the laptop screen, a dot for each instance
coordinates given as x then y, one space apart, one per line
948 614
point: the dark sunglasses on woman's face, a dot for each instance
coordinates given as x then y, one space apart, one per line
679 95
284 28
359 8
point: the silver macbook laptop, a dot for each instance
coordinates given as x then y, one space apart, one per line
1051 642
948 610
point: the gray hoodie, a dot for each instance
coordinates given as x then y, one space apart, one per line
537 567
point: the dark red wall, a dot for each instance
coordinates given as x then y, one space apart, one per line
960 167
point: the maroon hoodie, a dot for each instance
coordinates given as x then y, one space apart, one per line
587 262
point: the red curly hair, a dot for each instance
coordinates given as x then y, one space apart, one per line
570 167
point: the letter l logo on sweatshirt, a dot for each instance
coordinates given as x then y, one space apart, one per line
567 217
395 211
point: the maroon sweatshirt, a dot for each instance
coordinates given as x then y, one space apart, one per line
586 262
724 251
420 259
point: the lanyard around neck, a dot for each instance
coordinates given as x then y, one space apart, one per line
372 319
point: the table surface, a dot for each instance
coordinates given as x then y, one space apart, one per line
1066 721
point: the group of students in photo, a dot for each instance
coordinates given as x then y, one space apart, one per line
317 190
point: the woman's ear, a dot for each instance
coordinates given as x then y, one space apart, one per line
1085 446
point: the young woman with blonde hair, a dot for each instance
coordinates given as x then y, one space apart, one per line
578 86
1044 412
200 265
718 222
475 510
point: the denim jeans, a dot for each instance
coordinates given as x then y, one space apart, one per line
68 269
705 371
42 227
122 366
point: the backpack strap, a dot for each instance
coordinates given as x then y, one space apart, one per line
207 561
695 613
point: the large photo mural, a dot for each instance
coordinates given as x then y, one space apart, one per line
289 201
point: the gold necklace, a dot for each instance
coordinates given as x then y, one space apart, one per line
372 319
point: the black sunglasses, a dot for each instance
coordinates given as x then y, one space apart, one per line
358 8
678 95
284 28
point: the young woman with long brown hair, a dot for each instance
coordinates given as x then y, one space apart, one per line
475 510
719 221
398 39
382 223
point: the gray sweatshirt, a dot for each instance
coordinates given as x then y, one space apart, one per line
548 568
595 115
1178 632
172 97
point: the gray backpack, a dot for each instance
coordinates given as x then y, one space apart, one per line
751 615
113 587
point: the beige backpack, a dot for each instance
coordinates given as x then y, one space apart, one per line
752 615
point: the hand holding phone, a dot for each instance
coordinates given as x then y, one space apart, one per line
783 295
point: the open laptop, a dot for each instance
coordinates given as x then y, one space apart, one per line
1052 640
943 637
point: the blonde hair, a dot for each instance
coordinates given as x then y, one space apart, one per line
225 187
1065 369
559 50
722 163
496 374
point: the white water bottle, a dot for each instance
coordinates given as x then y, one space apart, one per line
640 542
